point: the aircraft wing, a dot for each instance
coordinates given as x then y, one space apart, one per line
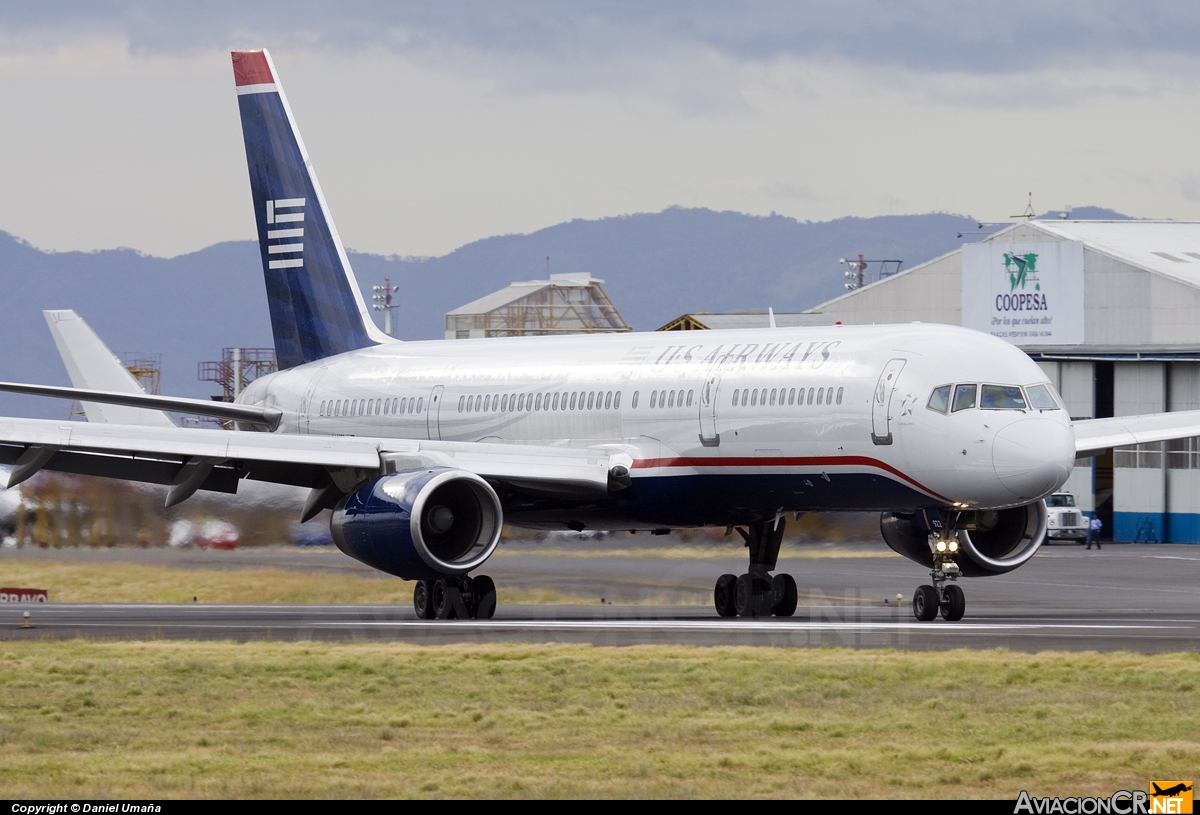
188 459
1093 436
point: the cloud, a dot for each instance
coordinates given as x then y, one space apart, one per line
972 37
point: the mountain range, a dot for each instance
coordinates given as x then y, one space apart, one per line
656 266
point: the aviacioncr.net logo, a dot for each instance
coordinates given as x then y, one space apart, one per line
1021 269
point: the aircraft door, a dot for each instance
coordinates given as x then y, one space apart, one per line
881 402
709 437
433 427
307 407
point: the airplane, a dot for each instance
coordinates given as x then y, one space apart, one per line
1170 792
423 450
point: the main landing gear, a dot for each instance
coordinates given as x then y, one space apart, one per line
451 598
757 593
943 595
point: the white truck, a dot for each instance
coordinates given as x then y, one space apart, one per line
1065 521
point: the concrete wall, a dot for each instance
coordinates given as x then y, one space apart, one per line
929 293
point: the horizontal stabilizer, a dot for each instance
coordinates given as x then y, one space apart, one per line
266 418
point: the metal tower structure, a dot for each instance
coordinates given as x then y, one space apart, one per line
564 304
383 302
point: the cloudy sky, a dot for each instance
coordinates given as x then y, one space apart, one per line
434 124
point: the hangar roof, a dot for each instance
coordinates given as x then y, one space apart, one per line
1171 248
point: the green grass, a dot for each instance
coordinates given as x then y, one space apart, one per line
87 719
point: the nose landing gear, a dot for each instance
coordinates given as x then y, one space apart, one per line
758 593
948 599
452 598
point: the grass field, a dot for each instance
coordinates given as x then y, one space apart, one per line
133 583
84 719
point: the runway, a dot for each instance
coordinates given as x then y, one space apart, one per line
611 625
1128 597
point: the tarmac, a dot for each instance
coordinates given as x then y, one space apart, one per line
1142 598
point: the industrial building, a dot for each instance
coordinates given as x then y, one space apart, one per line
1111 311
564 304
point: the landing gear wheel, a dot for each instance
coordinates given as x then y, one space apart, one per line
785 590
484 605
954 604
743 598
422 602
723 595
443 604
925 603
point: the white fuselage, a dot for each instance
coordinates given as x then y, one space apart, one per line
824 418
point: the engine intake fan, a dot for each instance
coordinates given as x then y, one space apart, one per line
991 542
420 524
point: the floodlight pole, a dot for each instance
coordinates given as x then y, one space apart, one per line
383 302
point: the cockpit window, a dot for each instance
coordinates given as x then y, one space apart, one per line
1040 397
939 400
1001 397
964 397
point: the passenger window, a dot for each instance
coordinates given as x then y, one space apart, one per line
754 397
617 401
810 395
636 394
735 396
653 398
820 395
1001 397
1041 398
608 400
420 404
964 398
592 396
537 402
521 402
839 397
939 400
671 403
574 397
745 396
689 398
792 396
395 404
773 392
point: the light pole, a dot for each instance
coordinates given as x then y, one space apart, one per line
383 302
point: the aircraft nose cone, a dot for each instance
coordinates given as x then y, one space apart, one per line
1032 457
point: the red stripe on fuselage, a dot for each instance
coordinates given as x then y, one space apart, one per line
785 461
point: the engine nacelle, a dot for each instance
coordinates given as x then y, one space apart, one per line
420 524
991 542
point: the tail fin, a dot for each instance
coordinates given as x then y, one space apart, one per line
92 366
317 309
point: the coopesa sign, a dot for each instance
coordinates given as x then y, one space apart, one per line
1026 293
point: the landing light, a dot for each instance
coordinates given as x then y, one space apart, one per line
941 546
953 546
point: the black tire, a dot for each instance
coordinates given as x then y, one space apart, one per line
723 594
484 590
785 590
743 596
422 601
925 603
443 606
955 604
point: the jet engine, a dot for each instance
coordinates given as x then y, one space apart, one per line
420 524
990 542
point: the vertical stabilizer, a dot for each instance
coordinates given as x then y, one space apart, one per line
92 366
317 309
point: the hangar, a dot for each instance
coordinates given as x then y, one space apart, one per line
1111 311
